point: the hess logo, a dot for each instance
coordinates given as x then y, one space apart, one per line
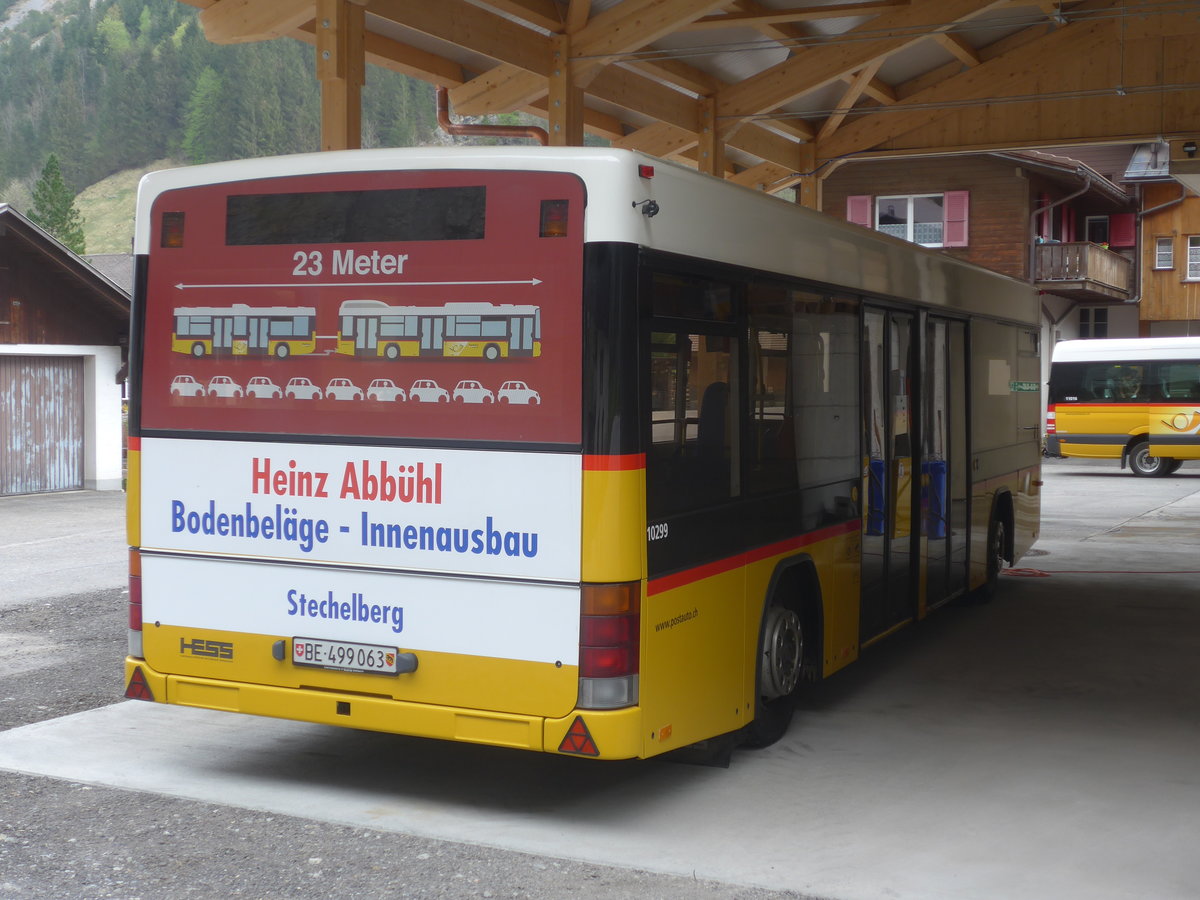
1184 423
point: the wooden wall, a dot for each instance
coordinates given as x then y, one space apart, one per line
1166 295
42 302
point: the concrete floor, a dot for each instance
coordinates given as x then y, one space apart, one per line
1045 745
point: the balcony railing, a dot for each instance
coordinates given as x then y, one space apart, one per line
1083 270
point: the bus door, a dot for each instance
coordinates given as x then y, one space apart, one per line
944 462
258 335
366 335
433 331
222 333
520 340
890 524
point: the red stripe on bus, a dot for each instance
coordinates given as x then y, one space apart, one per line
690 576
133 443
624 462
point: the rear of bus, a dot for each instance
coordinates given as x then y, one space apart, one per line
382 540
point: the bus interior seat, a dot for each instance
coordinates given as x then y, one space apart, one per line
711 434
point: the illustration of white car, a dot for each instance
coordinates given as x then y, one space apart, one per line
186 386
472 392
385 389
518 392
426 391
258 386
224 386
343 389
301 389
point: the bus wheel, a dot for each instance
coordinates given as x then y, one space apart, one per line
1142 463
197 349
997 538
491 351
392 351
1174 465
282 351
780 661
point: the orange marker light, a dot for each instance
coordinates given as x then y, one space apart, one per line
172 229
554 218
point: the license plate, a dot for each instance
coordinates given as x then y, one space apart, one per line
343 656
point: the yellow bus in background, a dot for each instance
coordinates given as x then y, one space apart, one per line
1136 400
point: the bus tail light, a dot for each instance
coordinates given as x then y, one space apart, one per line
135 604
609 645
1050 417
554 218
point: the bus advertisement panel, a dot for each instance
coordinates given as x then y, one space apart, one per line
372 305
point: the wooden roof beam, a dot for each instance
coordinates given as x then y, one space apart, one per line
821 65
959 48
1014 73
464 24
788 34
852 95
767 16
245 21
623 28
540 13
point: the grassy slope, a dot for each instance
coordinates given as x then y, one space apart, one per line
107 208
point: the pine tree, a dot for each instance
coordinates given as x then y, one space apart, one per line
54 207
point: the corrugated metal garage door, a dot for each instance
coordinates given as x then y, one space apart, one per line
41 424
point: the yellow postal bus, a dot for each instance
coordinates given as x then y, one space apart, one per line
762 441
1136 400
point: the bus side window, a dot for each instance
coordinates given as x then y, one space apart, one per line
693 422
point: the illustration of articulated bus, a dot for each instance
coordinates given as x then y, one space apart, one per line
242 330
491 331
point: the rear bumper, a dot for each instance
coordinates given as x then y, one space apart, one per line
616 734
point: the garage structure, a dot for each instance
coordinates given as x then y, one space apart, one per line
765 93
63 338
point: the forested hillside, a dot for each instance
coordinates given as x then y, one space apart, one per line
116 84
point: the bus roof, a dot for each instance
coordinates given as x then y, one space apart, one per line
695 215
454 308
1117 349
244 309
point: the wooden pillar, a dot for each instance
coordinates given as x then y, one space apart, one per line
711 152
565 103
808 188
341 69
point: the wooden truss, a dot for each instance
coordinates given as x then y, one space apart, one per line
851 78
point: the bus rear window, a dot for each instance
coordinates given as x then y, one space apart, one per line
356 217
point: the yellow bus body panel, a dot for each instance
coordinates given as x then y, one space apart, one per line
617 734
184 345
614 525
1120 422
1024 487
700 640
133 497
505 686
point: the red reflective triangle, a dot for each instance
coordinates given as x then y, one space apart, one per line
138 689
579 740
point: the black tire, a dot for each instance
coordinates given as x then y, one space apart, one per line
780 666
1174 465
997 539
491 351
392 351
1143 464
197 350
282 351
